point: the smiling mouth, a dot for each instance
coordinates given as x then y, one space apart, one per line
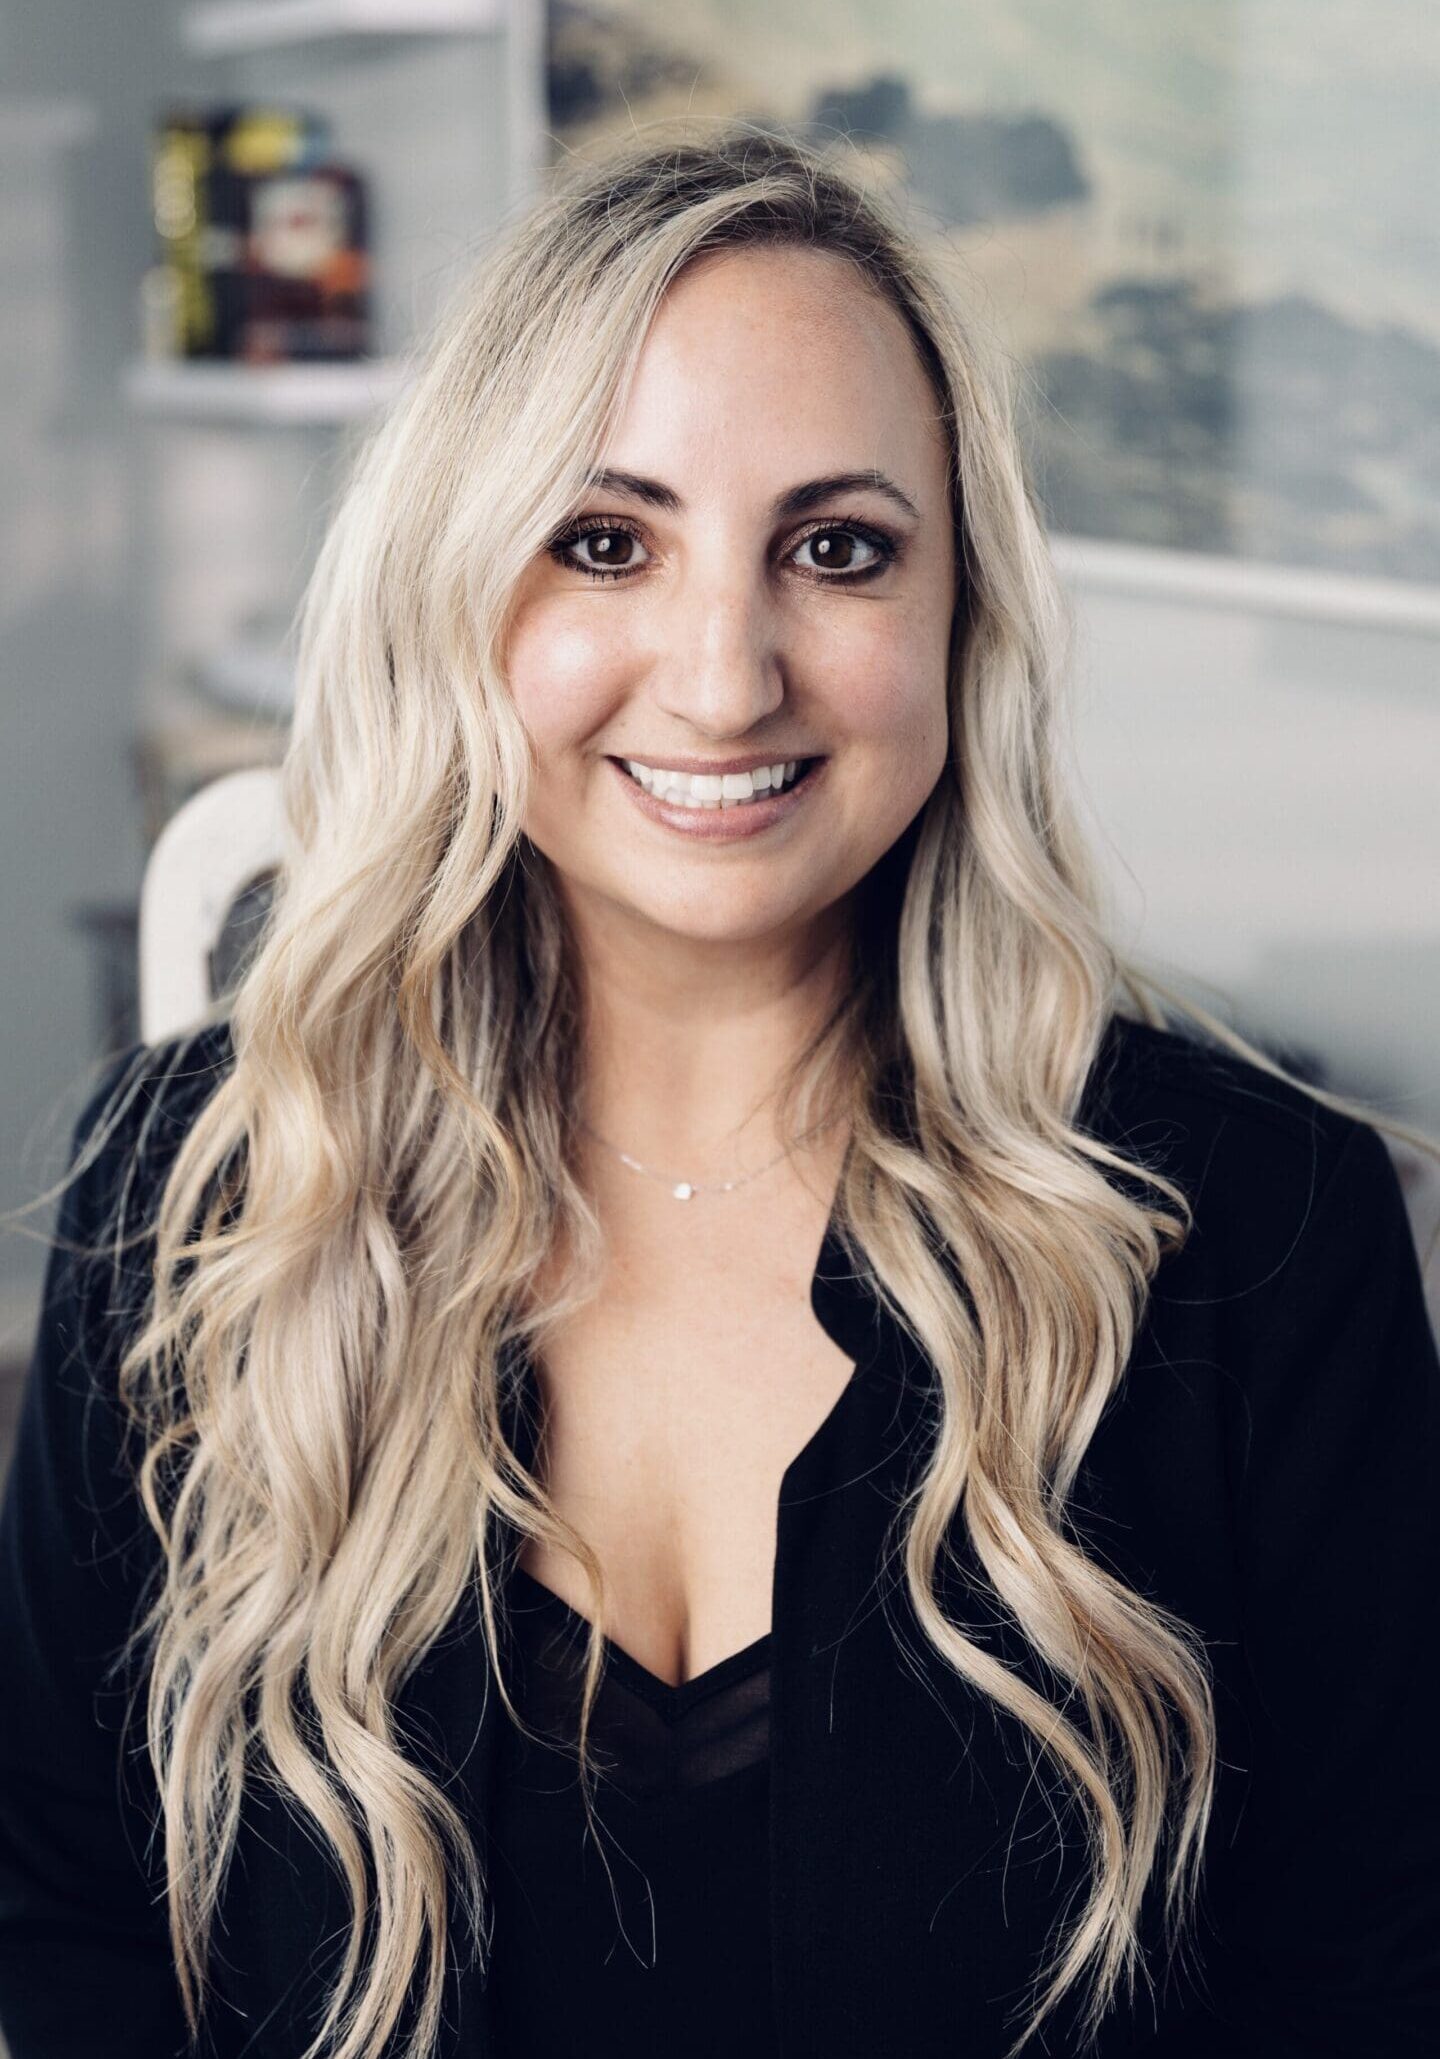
716 790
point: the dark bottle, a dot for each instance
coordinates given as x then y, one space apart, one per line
204 165
307 266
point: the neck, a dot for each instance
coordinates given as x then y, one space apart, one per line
686 1039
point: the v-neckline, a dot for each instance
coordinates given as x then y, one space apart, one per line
670 1698
853 1319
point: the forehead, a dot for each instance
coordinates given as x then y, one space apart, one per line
762 360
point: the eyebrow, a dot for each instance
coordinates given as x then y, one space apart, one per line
796 500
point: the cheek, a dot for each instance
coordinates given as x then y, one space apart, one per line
895 703
560 679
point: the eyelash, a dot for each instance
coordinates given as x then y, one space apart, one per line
884 541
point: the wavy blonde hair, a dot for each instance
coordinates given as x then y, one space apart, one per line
345 1239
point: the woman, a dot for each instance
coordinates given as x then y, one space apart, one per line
677 1227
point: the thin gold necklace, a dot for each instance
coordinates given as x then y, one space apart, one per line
685 1190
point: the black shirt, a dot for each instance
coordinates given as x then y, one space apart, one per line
1267 1471
656 1917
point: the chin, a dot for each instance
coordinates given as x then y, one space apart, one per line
720 920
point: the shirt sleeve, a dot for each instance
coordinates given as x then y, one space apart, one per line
1338 1848
85 1962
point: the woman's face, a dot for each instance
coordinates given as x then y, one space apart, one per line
752 611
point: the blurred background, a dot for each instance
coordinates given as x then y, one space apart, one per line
1204 233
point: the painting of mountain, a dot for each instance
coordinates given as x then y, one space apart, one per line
1204 234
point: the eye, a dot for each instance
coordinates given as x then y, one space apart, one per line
835 555
611 551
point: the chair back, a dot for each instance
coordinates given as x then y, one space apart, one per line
215 850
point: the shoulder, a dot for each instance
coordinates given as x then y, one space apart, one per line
1272 1175
143 1098
1148 1075
138 1106
71 1437
1285 1363
1168 1093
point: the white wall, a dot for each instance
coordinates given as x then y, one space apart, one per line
1265 774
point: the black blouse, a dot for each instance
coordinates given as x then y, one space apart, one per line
652 1926
1266 1470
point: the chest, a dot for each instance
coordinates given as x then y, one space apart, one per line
673 1404
916 1865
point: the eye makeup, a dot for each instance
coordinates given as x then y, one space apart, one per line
887 545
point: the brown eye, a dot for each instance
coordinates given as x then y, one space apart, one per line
834 549
608 546
838 551
607 549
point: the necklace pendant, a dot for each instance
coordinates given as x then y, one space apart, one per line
682 1191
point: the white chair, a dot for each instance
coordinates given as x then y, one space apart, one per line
217 844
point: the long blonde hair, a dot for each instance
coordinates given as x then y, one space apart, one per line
343 1242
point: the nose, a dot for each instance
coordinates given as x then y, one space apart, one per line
722 672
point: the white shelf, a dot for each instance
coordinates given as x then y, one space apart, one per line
1250 586
223 28
308 394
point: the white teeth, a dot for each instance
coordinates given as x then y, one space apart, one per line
712 789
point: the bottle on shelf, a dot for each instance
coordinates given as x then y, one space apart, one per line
263 240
